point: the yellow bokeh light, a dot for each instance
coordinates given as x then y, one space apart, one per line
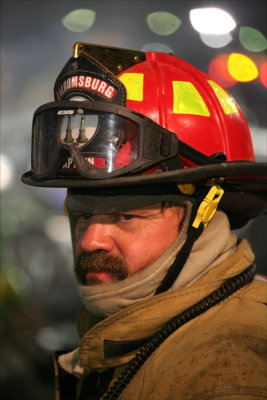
242 68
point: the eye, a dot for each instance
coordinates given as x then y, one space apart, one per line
127 217
85 216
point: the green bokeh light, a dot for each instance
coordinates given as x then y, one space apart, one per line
163 23
79 20
252 39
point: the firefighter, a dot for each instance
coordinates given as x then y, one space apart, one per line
158 163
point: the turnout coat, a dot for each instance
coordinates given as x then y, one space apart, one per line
220 354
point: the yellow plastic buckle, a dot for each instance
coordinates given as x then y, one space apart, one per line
208 206
186 188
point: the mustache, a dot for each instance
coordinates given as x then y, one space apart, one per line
99 261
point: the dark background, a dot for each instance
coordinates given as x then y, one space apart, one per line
39 303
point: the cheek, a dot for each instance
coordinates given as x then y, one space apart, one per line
75 237
149 244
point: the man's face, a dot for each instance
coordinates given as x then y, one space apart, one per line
109 247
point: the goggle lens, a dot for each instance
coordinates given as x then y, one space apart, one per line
96 143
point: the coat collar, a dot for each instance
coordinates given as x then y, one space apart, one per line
114 341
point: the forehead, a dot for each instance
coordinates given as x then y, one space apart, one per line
122 198
111 204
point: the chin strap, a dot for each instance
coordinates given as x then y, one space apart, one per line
200 217
175 269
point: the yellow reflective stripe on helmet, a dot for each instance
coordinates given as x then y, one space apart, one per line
227 102
187 100
134 84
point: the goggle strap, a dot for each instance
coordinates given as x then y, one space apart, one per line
196 156
172 164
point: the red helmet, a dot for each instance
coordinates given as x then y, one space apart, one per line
189 103
124 117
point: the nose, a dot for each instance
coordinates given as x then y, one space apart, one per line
98 236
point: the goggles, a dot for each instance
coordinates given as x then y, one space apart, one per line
96 140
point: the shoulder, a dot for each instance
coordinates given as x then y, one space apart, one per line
222 352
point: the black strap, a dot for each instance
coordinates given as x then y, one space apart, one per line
200 158
180 260
93 386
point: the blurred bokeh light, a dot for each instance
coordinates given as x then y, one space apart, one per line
163 23
242 68
157 47
216 41
212 20
252 39
6 172
79 20
263 74
218 69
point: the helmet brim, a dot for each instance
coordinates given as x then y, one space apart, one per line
245 186
240 174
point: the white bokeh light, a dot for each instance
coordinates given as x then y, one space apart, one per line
211 21
6 171
216 41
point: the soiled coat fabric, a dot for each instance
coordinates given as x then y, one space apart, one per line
221 354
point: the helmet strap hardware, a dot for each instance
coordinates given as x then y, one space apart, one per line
215 181
208 206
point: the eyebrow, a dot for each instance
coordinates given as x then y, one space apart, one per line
140 213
